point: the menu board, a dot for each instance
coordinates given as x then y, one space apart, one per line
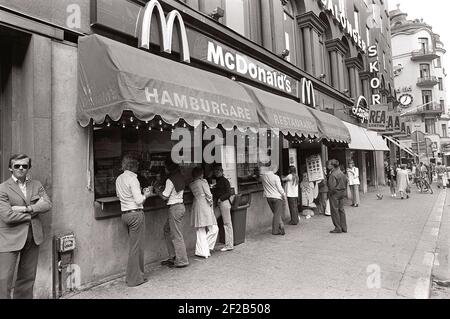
293 157
315 168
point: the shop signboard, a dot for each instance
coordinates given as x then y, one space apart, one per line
133 20
378 117
314 168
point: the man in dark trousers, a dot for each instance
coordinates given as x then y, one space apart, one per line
222 194
337 187
22 200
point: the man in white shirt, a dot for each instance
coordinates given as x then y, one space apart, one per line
173 229
354 182
132 200
275 195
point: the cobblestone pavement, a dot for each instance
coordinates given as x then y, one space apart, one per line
386 254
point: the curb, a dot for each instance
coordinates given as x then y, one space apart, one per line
416 282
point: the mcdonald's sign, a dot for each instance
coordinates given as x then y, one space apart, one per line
165 29
308 93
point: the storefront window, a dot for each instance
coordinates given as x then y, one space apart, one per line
150 147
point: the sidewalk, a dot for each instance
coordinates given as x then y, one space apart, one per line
384 255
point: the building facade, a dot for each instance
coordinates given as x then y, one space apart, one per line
302 66
418 55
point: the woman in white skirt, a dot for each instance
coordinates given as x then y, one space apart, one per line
202 217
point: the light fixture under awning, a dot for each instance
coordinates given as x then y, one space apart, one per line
114 77
287 115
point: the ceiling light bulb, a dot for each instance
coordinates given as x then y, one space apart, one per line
131 119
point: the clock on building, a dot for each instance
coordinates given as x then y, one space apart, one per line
405 100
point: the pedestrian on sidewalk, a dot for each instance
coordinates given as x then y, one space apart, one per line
440 172
393 180
291 189
275 195
403 181
323 194
132 200
222 199
202 217
337 186
22 200
353 181
173 229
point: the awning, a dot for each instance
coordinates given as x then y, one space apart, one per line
114 77
331 127
403 147
365 140
360 141
287 115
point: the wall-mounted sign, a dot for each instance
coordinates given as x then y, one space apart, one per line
361 110
393 124
405 100
314 168
405 89
344 23
166 29
377 117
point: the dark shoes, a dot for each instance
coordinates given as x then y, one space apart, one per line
178 266
168 262
336 231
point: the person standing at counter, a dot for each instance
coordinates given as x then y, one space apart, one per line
132 200
291 189
173 229
275 195
222 195
203 218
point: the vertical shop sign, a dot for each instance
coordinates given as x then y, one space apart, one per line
315 168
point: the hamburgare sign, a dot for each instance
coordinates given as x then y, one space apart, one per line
125 16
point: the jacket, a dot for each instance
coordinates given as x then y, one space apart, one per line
14 226
222 190
337 182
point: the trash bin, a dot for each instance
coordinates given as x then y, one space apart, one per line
238 218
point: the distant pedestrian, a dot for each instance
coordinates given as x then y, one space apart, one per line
337 186
222 198
275 195
353 181
393 180
203 218
173 229
292 192
403 181
440 172
132 201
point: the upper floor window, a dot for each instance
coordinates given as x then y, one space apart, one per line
289 32
356 18
424 70
441 84
424 44
236 13
438 63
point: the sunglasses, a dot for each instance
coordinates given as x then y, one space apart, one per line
18 166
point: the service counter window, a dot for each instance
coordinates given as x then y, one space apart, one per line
149 142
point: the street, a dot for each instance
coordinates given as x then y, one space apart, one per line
388 253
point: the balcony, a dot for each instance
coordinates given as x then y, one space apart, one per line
430 110
427 81
424 55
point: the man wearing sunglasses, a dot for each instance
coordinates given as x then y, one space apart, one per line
22 200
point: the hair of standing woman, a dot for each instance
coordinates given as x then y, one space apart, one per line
293 171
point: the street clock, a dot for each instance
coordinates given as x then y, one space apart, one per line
405 100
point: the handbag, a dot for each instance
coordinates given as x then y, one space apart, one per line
408 189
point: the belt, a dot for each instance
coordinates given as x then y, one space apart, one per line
133 211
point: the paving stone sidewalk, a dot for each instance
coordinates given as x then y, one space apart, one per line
384 255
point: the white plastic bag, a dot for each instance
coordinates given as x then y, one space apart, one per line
328 209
